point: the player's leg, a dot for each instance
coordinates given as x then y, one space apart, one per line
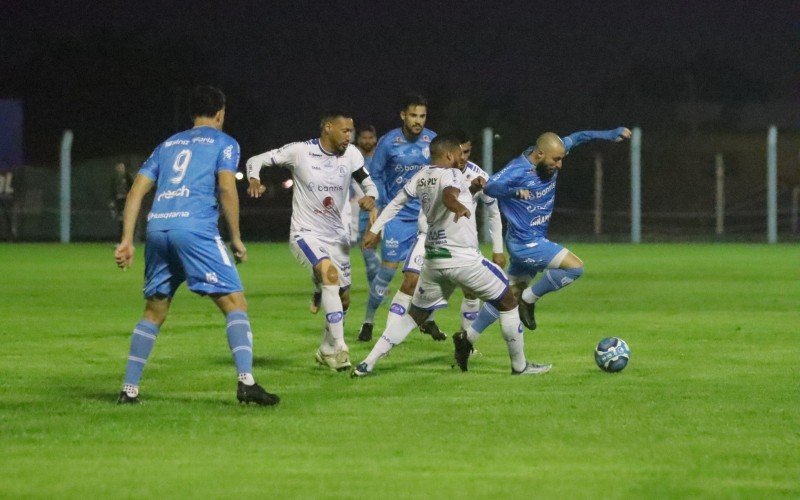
423 303
411 270
563 268
372 262
470 305
398 240
163 275
240 340
210 271
489 283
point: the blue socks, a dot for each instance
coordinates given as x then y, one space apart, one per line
377 291
555 279
240 340
142 340
372 263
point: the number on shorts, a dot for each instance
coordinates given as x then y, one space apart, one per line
181 165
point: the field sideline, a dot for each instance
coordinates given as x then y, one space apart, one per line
709 405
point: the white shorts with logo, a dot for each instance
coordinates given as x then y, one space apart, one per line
309 250
416 256
483 278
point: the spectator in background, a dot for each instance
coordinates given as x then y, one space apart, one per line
120 185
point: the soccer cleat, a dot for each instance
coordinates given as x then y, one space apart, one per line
532 369
337 362
255 394
316 298
463 349
526 314
431 328
124 399
365 334
360 371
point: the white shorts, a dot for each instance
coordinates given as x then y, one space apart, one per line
416 256
483 278
309 250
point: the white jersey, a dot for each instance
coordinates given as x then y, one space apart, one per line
471 171
447 243
321 185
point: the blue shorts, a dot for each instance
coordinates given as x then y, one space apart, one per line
398 240
174 256
527 259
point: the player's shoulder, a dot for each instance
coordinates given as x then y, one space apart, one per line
427 135
352 153
393 136
225 139
472 170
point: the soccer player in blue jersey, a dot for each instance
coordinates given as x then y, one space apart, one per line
525 190
399 155
189 170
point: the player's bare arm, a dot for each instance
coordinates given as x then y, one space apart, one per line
477 184
450 200
229 199
123 254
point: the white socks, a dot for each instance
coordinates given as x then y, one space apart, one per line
512 333
334 316
402 326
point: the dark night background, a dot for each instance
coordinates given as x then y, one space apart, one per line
116 72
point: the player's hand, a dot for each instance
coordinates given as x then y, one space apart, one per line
366 203
123 255
524 194
370 240
255 189
239 251
622 134
477 184
461 212
499 259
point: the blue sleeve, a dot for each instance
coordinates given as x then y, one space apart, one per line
228 158
377 170
150 167
584 136
505 183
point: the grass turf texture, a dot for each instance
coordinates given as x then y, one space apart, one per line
708 405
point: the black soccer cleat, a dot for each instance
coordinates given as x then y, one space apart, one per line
526 314
463 349
255 394
365 334
124 399
431 328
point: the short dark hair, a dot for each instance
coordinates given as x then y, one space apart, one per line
366 128
442 144
206 101
414 99
462 136
332 114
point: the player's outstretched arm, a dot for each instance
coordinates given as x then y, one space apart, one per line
229 199
614 135
123 254
506 183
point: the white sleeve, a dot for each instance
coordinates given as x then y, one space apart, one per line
390 211
369 187
284 156
495 223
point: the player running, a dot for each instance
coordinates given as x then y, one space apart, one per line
183 243
525 190
322 170
452 259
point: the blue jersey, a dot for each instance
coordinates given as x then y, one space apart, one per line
529 219
395 161
185 168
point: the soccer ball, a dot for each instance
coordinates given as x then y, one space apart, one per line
612 354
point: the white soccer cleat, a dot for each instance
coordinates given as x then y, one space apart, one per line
532 369
338 361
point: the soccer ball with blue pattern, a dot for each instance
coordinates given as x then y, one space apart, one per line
612 354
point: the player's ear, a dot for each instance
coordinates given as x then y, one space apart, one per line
403 115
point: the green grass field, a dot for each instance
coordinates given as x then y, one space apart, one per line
708 407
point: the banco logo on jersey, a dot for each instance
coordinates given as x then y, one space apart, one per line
407 168
545 191
181 192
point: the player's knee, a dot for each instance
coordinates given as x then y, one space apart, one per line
574 273
469 295
507 302
330 275
418 315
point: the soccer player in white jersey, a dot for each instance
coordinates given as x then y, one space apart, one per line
452 259
322 170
